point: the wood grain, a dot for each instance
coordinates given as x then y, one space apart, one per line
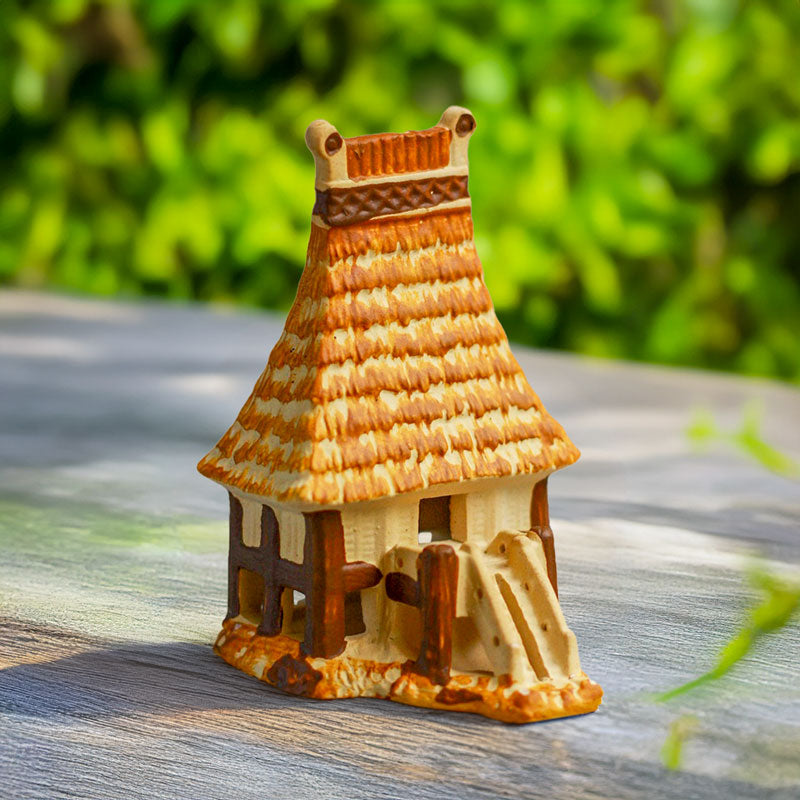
113 570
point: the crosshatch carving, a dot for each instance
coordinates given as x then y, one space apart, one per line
361 203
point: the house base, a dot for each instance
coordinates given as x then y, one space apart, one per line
277 660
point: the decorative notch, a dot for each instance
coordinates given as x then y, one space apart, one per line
462 124
330 154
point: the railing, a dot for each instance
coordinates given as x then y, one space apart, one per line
325 577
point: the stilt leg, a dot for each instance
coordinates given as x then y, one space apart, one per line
324 560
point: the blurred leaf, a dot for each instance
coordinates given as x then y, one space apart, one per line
777 608
680 731
699 65
703 430
163 132
489 80
748 437
543 195
774 152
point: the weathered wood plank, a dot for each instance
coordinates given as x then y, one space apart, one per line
113 584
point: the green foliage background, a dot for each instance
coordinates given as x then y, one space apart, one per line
635 172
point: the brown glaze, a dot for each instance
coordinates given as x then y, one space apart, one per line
353 614
421 352
333 144
324 562
343 311
384 236
437 567
234 553
294 675
240 556
434 514
271 611
360 575
443 332
540 525
349 205
540 507
451 697
393 375
465 124
402 588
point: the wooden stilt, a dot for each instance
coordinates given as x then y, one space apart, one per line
235 537
437 570
434 593
540 525
329 583
324 561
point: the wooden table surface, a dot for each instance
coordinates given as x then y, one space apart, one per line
112 584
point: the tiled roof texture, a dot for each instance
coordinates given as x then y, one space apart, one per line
392 375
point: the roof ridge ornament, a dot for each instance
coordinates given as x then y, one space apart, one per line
382 157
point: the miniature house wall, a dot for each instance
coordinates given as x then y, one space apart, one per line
389 531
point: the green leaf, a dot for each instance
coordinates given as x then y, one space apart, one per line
680 730
702 428
776 150
779 605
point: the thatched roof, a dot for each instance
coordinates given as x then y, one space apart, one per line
393 373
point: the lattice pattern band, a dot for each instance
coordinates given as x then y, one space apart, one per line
345 206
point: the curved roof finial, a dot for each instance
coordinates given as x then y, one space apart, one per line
461 122
330 154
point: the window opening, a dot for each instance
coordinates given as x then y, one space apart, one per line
251 595
353 614
434 520
294 623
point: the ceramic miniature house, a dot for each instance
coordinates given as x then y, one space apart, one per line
389 531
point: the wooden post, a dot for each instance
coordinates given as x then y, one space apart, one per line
324 560
271 612
540 525
437 571
235 537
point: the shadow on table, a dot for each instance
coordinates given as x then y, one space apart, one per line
137 678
